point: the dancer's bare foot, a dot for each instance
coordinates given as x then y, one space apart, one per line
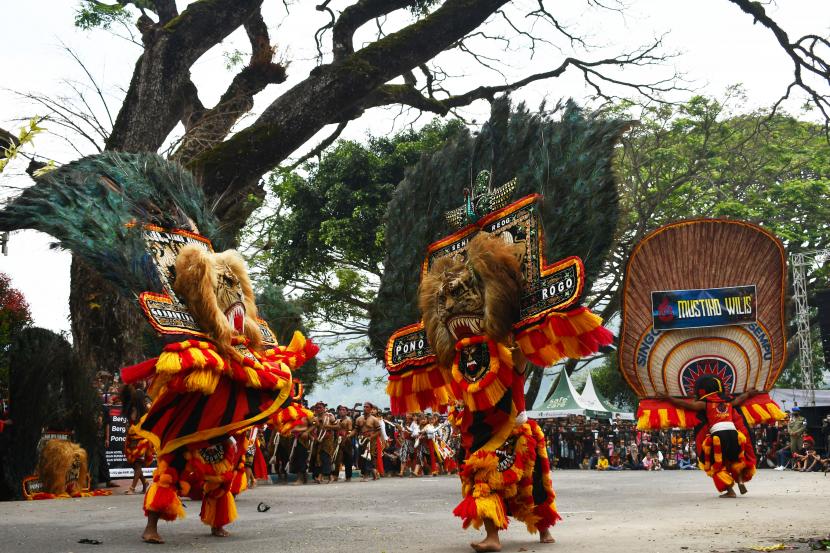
151 533
364 479
546 537
487 544
491 541
730 493
130 491
742 488
219 532
151 537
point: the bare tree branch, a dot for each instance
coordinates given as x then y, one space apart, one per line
204 128
353 17
317 150
92 81
805 59
166 10
329 92
163 70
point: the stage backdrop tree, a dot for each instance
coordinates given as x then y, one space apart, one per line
396 67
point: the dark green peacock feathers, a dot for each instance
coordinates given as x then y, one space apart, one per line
87 205
569 161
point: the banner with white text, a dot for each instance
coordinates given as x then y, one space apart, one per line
673 309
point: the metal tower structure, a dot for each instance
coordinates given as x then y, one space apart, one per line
800 262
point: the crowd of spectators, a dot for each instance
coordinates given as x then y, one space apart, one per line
573 442
577 442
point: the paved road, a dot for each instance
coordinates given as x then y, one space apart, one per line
603 512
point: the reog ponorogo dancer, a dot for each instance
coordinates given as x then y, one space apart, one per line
702 338
489 301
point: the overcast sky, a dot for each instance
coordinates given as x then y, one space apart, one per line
717 45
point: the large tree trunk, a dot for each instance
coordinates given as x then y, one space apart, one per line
107 331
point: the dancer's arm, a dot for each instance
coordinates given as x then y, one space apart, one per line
690 404
738 400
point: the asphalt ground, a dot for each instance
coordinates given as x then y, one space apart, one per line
603 512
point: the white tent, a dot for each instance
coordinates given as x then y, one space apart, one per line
787 398
593 400
565 401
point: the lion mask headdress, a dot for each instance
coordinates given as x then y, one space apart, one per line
477 292
218 293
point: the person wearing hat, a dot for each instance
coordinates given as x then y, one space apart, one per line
796 427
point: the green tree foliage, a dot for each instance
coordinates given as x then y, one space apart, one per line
326 238
14 317
565 155
610 383
284 317
92 14
702 159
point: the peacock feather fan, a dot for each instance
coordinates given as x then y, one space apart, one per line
88 205
568 160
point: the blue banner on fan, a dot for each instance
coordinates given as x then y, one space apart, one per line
673 309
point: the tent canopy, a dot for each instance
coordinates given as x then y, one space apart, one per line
594 400
565 401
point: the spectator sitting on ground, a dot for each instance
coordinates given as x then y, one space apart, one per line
614 462
648 462
808 459
783 456
592 462
602 463
685 463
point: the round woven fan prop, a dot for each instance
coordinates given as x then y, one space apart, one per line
703 297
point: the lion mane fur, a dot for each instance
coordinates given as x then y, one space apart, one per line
197 275
56 463
496 271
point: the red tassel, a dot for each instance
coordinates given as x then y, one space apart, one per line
466 510
141 371
260 466
163 501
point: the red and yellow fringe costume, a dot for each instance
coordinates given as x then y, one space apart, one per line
200 398
486 413
138 449
656 414
490 493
